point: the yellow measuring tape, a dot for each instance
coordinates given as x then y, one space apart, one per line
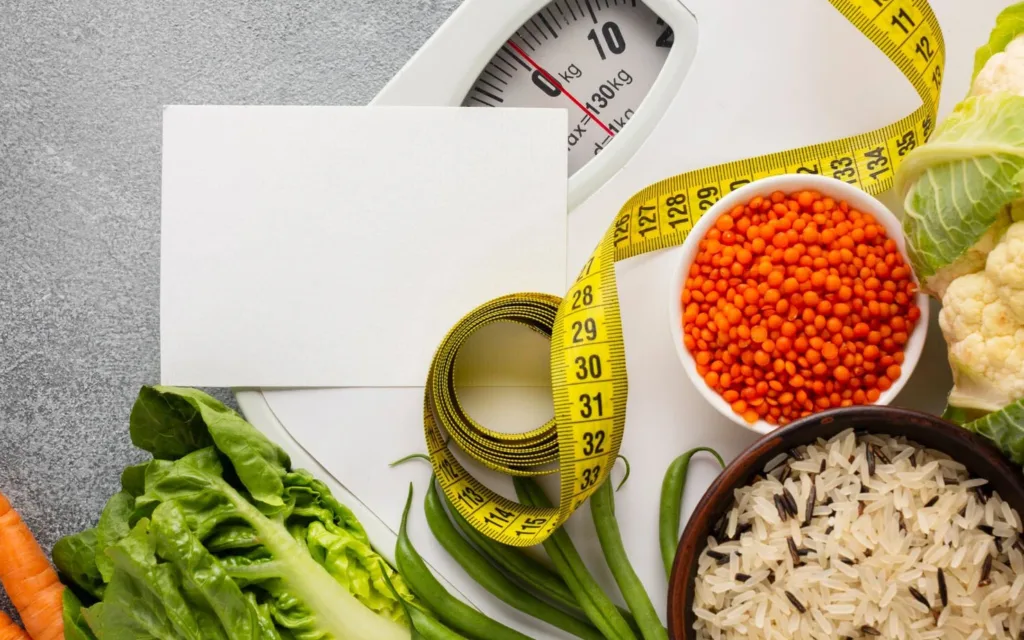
588 360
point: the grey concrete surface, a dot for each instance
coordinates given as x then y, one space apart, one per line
82 83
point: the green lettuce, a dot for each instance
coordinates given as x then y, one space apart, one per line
75 626
218 537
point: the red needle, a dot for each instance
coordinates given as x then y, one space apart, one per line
555 83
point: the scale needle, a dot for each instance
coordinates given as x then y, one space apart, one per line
556 83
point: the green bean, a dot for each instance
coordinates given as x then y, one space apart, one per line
569 564
428 627
423 626
531 573
478 568
449 609
672 504
520 566
602 508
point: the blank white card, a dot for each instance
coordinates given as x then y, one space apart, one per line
335 246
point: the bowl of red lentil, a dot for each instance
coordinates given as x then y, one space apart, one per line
794 295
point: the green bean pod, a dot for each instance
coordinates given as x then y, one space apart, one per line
672 504
602 508
520 566
601 611
428 627
423 626
450 610
531 573
478 568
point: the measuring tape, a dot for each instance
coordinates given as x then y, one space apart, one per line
588 359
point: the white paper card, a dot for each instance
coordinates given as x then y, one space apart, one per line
335 246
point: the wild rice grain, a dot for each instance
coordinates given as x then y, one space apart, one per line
986 572
796 603
790 502
741 577
870 631
780 506
741 529
720 529
793 551
880 455
943 593
931 503
869 453
812 497
920 597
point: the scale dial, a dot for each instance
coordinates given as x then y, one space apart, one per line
596 58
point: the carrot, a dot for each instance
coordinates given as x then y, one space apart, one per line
29 579
9 630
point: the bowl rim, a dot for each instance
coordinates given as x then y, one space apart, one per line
978 454
788 183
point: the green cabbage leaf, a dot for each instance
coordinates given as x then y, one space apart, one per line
1009 25
960 187
1004 427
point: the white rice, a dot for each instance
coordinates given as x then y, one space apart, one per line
891 542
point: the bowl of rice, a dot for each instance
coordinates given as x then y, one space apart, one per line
860 522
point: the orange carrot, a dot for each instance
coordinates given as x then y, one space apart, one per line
9 630
29 579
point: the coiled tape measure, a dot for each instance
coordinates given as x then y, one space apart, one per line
588 364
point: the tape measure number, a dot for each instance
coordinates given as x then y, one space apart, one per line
588 360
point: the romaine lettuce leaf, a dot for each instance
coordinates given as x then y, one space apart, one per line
112 527
197 546
133 479
75 558
75 626
171 422
1009 25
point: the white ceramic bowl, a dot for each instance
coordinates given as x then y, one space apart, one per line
789 183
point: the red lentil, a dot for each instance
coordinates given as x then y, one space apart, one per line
797 303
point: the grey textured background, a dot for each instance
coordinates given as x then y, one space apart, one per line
82 83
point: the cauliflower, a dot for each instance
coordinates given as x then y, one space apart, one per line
1003 72
963 202
982 319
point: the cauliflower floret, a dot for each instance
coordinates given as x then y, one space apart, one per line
1005 268
982 319
1003 72
972 261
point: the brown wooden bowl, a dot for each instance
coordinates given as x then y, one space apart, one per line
980 457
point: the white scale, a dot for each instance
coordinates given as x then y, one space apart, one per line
653 88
